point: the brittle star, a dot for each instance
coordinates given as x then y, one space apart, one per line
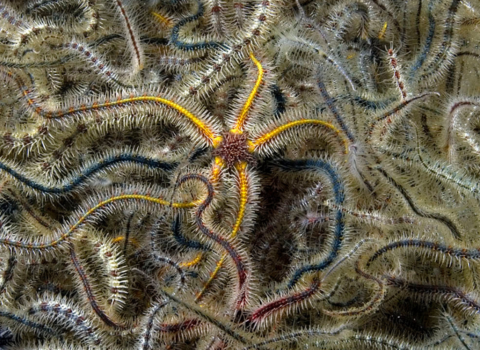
233 151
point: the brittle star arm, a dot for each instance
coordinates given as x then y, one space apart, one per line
201 123
45 245
266 140
242 117
243 185
237 258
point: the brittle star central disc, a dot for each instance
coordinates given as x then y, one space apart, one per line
234 149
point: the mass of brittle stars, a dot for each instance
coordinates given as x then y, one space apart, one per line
239 175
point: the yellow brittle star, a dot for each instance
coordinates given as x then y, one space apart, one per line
234 150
